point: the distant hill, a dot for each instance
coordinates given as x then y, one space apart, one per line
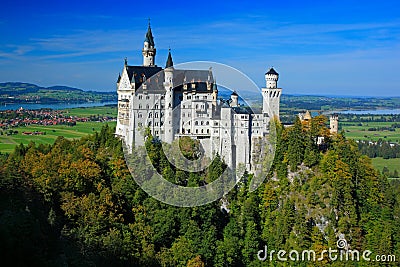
18 92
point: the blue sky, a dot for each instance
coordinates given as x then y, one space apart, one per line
318 47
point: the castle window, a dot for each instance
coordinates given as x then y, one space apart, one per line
208 130
140 96
140 106
147 106
196 123
162 97
205 97
197 131
139 124
139 115
183 114
156 132
188 122
147 97
189 97
156 106
150 115
156 115
156 124
202 122
207 123
188 130
149 123
201 130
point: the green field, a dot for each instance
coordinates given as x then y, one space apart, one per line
362 133
110 111
391 164
8 143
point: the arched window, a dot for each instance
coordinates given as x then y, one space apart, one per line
196 123
150 115
140 106
156 115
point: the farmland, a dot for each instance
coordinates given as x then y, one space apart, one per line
362 131
51 132
8 142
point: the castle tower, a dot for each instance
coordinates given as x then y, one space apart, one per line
234 98
334 123
271 97
149 50
271 77
169 99
214 95
125 119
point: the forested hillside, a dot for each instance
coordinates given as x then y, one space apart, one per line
74 203
17 92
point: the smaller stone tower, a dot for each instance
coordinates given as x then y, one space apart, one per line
271 78
234 99
334 123
149 50
271 98
169 99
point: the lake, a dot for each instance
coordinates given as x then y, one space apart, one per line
55 106
372 112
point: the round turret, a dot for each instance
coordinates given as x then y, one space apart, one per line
271 77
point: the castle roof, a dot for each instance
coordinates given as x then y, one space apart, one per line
149 36
154 78
170 63
234 93
307 116
272 71
243 110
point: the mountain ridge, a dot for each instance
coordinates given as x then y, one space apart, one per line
21 92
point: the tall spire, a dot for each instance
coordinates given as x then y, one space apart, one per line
170 63
149 36
149 50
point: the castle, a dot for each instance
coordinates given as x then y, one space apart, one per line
174 103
